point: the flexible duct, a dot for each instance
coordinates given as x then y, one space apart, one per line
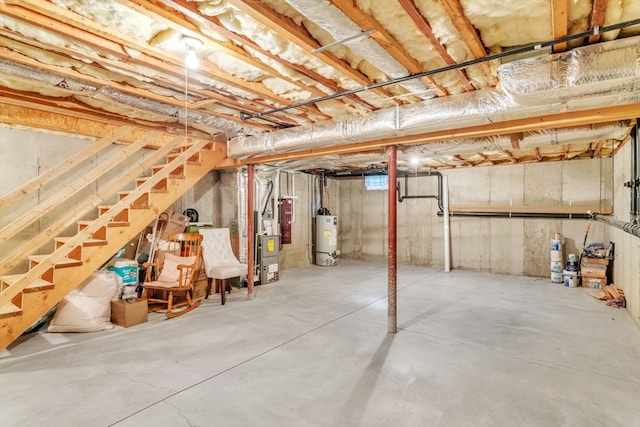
205 122
335 22
593 87
594 70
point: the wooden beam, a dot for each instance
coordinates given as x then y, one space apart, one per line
560 120
469 35
559 22
384 39
425 28
63 120
598 12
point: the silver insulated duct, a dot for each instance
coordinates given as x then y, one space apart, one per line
69 86
582 79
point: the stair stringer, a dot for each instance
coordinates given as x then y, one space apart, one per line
34 304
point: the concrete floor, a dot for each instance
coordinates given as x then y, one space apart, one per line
312 350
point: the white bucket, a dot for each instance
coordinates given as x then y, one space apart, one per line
570 279
556 277
556 256
556 266
556 245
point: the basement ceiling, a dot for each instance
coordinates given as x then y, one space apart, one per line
318 84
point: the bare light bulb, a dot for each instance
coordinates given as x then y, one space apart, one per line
191 59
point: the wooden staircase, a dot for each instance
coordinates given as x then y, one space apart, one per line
27 296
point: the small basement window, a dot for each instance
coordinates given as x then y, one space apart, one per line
376 182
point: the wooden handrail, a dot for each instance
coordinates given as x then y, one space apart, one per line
63 167
85 180
11 260
49 261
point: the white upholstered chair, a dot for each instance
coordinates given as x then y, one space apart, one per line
220 263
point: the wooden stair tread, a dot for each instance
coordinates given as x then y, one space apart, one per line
87 242
10 309
109 224
64 262
38 285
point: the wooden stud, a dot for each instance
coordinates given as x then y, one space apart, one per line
560 22
598 12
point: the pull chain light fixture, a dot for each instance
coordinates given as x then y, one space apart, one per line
190 62
192 44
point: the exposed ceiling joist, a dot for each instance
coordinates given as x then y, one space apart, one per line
258 74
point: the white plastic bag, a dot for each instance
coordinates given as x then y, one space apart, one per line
88 307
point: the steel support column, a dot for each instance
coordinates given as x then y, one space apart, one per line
250 233
392 324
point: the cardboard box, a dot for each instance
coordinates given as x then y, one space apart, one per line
593 270
170 222
600 261
128 314
199 285
593 282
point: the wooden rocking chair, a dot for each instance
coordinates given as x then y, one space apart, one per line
173 286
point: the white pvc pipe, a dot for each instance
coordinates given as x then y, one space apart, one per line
447 236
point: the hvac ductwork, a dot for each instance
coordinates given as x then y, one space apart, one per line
444 151
206 122
603 74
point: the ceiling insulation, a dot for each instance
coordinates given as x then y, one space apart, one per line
283 76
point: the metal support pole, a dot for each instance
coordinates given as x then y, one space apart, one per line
392 324
250 233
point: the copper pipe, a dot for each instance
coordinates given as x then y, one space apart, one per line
392 325
250 233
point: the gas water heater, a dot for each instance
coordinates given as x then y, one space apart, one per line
326 240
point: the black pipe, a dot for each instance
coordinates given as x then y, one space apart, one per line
359 173
438 197
516 51
635 172
542 215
